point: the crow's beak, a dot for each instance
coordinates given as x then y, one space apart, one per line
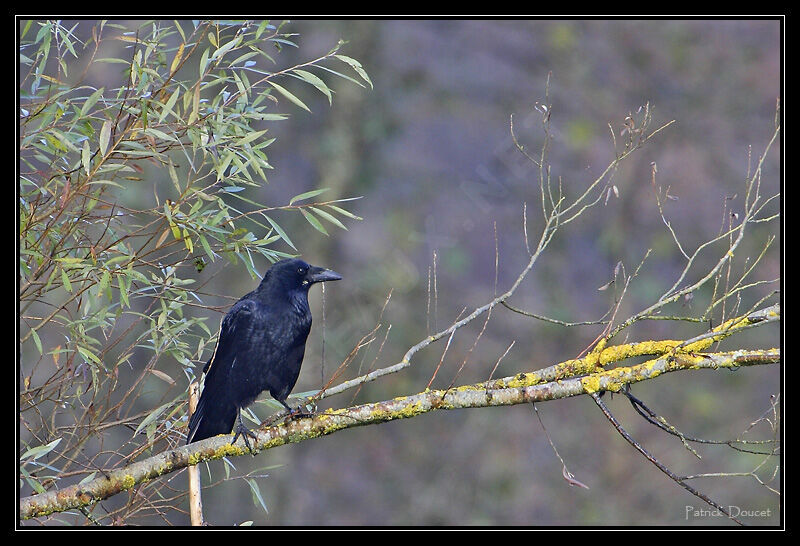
320 274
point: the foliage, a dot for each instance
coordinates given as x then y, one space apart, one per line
126 191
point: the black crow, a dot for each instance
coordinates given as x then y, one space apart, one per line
260 348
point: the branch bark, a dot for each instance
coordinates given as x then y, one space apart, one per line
518 389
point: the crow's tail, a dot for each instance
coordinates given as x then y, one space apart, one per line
213 416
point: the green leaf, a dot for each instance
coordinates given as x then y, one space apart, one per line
187 240
241 86
168 107
344 212
93 98
343 76
219 53
105 280
313 221
65 281
88 355
39 451
36 340
314 80
356 66
261 27
30 22
329 217
265 117
123 291
289 96
249 137
203 63
173 175
111 60
247 259
307 195
151 417
65 39
88 478
86 157
105 136
180 30
206 247
107 183
257 494
222 167
281 232
243 58
69 260
159 134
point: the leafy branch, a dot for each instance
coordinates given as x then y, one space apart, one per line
127 190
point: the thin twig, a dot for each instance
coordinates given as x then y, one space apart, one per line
656 462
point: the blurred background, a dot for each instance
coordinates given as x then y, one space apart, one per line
430 152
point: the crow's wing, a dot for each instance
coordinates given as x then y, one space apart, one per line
260 347
222 397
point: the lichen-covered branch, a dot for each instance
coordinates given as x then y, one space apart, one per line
570 378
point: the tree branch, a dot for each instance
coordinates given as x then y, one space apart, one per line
519 389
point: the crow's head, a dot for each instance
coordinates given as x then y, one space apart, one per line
294 274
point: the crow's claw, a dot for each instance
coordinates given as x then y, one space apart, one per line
244 432
296 413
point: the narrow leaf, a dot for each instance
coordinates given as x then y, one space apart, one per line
168 107
38 451
105 280
356 66
93 98
203 63
250 137
313 221
86 157
88 355
314 80
173 175
123 292
257 494
36 340
178 56
163 376
329 217
344 212
105 136
280 231
152 417
289 96
206 247
65 281
307 195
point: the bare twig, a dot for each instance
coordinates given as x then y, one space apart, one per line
656 462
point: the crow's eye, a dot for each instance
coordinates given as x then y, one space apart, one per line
301 271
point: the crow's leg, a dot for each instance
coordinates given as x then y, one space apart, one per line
295 413
288 415
244 432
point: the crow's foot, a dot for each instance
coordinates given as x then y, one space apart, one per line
244 432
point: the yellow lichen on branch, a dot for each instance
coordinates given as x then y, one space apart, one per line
518 389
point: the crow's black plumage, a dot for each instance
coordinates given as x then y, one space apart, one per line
260 348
